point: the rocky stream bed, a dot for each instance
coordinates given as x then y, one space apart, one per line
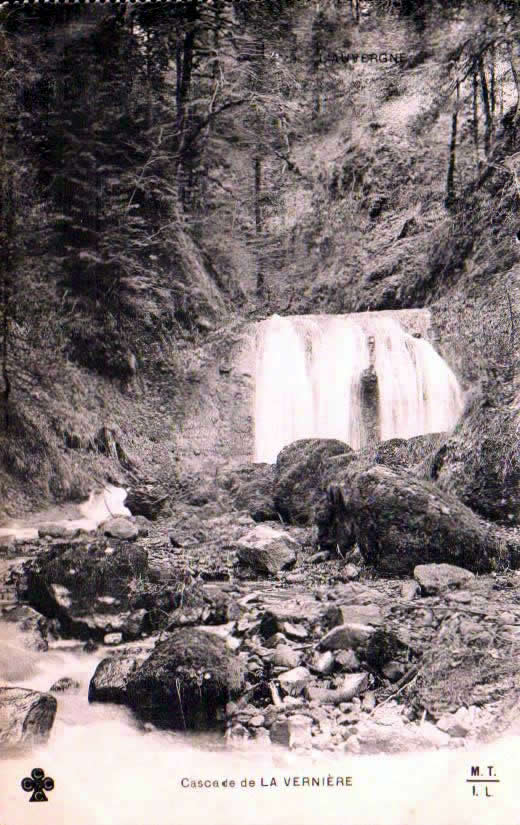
212 613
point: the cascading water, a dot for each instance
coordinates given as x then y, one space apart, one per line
309 372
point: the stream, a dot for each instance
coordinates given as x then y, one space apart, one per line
107 768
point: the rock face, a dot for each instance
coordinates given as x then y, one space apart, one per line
267 549
400 521
480 462
26 716
185 681
298 477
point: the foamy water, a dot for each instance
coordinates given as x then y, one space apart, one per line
308 381
88 515
109 771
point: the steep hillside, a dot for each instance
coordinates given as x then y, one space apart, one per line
168 172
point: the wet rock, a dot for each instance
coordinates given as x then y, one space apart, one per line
346 636
26 716
110 679
267 549
33 626
436 578
65 685
292 733
298 473
401 521
186 680
408 452
409 590
336 530
120 528
369 614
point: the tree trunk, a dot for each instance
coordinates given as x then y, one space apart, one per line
474 123
450 182
486 104
260 282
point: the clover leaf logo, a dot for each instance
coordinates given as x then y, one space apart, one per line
38 783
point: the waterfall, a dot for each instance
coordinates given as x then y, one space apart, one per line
309 374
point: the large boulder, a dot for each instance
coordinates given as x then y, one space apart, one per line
99 588
335 531
480 462
110 679
400 521
89 587
267 549
299 468
186 681
26 716
34 627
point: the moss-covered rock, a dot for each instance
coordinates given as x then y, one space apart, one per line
299 469
185 681
400 521
480 463
335 530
